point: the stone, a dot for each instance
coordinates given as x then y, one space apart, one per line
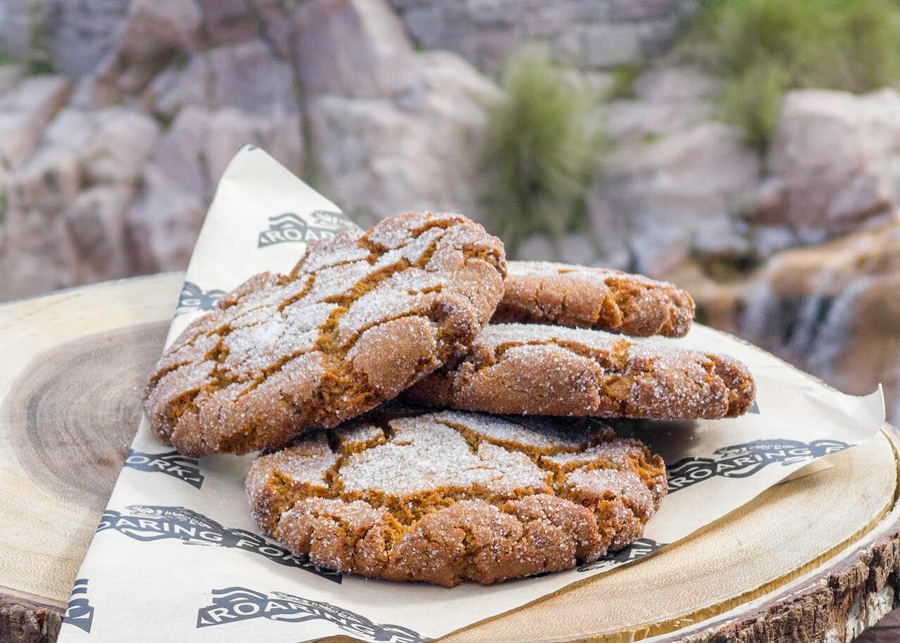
671 187
179 151
95 227
120 144
34 241
178 86
608 44
247 76
610 227
201 141
43 187
78 34
412 150
586 33
636 123
228 21
722 238
680 84
251 78
10 75
153 32
163 223
231 128
67 203
21 26
24 113
352 48
838 156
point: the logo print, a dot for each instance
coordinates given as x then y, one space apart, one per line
743 460
193 298
171 463
233 604
638 549
291 228
79 612
147 523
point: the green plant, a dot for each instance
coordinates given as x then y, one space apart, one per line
38 54
623 79
541 150
760 48
751 101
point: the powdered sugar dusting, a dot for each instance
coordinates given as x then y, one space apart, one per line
427 496
425 455
580 273
340 288
554 370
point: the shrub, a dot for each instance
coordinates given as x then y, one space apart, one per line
760 48
541 150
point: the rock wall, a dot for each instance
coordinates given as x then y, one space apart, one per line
590 34
106 169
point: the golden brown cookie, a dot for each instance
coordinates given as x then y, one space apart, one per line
452 496
552 370
583 297
360 318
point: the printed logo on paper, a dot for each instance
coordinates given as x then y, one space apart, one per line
149 523
292 228
744 460
80 613
636 550
193 298
170 463
233 604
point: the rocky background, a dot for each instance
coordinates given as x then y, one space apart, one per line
117 118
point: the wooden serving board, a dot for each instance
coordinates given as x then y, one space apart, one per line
816 558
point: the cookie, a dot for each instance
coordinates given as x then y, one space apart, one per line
583 297
552 370
451 496
359 319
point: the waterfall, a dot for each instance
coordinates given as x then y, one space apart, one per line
834 332
808 330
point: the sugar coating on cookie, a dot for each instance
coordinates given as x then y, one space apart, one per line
552 370
586 297
450 496
360 318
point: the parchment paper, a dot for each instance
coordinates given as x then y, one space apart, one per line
177 556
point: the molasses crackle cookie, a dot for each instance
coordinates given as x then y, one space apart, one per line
586 297
449 496
360 318
554 370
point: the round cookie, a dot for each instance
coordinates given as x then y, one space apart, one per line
583 297
451 496
552 370
360 318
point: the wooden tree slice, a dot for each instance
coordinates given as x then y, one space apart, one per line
70 377
815 558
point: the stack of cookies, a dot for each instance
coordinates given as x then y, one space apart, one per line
427 411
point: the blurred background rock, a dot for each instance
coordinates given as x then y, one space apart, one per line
748 151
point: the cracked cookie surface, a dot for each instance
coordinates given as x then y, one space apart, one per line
585 297
551 370
360 318
449 496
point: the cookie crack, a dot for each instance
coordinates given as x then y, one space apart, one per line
473 439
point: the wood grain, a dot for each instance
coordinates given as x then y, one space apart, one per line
70 382
812 559
88 390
